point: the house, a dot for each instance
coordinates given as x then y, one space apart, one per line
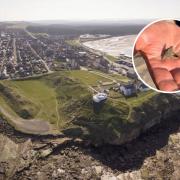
131 74
128 89
125 63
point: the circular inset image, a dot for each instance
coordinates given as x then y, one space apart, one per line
156 56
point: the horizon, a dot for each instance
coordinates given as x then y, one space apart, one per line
83 10
126 21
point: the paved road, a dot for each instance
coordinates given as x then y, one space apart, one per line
14 51
33 50
92 89
36 54
30 34
4 59
2 64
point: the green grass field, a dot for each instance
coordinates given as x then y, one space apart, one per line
4 105
42 95
87 77
61 96
74 42
142 97
45 96
119 77
111 58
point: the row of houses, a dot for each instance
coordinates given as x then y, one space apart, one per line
132 89
126 89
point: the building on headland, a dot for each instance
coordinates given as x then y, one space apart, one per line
128 89
131 74
99 97
141 87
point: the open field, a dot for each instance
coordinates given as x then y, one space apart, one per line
74 42
41 94
111 58
94 77
36 117
119 77
88 77
39 97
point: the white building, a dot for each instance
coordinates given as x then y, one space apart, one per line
99 97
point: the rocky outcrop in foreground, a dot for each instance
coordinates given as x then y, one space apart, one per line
154 155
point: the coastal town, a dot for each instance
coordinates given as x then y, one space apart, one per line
24 54
78 98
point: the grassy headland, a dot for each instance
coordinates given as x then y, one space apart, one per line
64 100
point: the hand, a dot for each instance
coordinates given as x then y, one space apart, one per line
160 45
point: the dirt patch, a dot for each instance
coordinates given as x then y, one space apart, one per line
27 126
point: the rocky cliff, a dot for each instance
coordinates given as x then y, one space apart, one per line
118 123
153 155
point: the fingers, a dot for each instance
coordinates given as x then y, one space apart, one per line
169 64
176 75
168 86
165 73
164 80
162 75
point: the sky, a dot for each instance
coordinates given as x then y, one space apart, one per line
29 10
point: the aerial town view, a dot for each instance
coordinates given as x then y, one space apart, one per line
72 105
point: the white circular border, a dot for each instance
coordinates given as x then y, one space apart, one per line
155 89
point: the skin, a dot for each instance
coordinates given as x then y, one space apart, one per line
160 46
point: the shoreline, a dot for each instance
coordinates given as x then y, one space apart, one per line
104 45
